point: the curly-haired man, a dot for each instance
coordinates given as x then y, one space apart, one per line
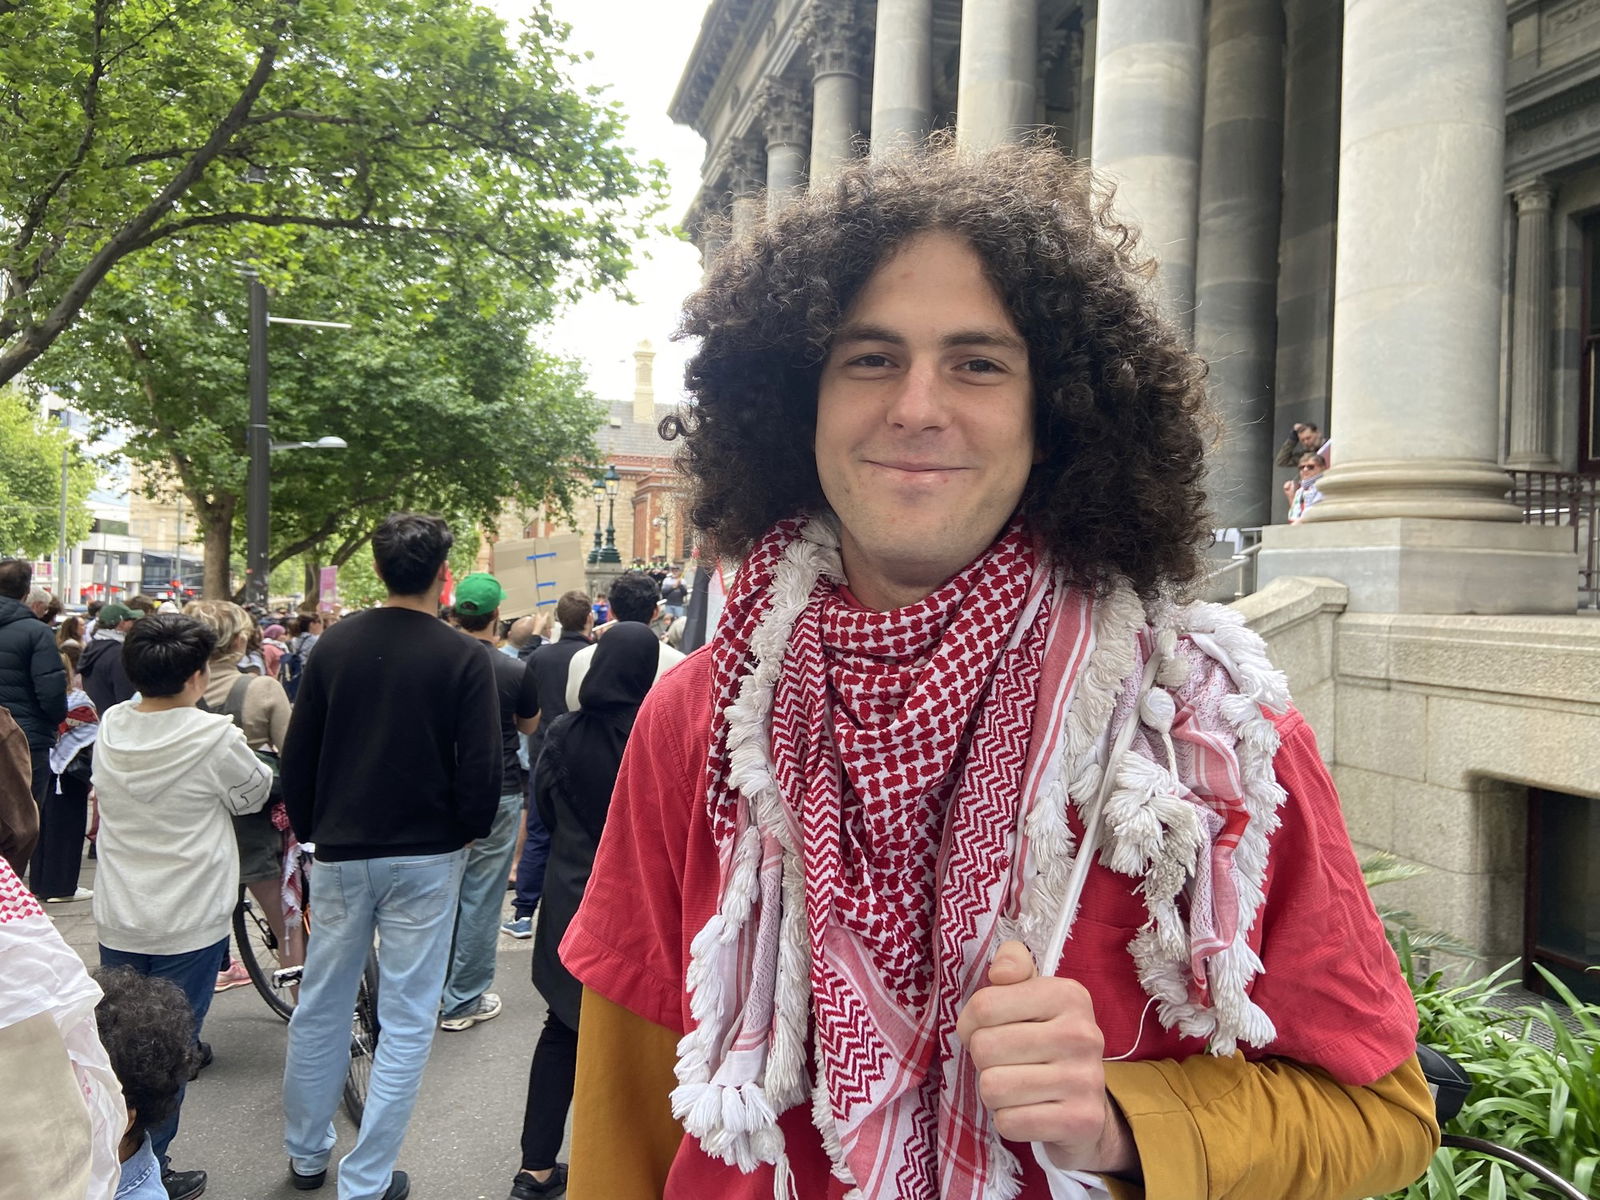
966 862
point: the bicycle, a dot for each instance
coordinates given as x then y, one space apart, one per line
258 950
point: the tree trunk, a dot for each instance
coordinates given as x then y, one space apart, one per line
313 588
216 523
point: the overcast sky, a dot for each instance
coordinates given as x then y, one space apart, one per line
639 48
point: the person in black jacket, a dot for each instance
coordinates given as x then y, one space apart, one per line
33 683
391 766
572 790
101 662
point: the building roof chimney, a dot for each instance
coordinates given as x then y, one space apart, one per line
644 386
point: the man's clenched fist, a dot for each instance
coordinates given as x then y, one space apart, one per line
1038 1052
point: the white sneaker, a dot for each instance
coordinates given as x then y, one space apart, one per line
487 1008
82 893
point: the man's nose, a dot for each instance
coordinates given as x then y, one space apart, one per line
919 402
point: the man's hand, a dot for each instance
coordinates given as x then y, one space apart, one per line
1038 1052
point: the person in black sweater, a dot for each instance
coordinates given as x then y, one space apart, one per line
391 766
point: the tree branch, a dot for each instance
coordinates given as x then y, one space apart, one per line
91 106
38 338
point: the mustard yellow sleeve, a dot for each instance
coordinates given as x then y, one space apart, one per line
624 1137
1229 1129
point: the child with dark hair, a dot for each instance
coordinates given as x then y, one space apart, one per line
169 777
148 1032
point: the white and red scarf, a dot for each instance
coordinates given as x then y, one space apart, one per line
888 792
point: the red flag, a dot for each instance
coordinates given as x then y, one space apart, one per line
448 596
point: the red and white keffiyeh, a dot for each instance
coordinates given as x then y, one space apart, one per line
889 792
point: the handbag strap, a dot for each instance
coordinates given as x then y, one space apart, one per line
233 706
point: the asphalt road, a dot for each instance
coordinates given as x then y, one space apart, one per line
463 1139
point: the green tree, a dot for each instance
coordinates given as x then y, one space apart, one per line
131 124
436 388
30 480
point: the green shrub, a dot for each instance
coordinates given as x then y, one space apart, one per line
1543 1102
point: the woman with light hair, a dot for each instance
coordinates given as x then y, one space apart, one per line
259 706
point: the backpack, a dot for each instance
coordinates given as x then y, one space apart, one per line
233 709
291 664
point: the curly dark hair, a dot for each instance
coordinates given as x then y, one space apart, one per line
1119 399
148 1032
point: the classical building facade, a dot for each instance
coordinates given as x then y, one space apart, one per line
1382 216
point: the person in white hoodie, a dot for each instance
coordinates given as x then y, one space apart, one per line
169 778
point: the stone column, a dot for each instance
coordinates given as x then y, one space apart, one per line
1083 140
786 122
834 38
1416 516
902 74
1236 255
1314 33
1147 95
746 171
998 85
1530 447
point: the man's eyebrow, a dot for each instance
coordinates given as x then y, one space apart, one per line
998 338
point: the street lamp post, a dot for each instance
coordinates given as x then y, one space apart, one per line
598 487
258 441
613 481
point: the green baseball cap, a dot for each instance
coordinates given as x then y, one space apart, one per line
478 594
114 614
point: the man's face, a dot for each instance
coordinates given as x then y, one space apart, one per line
924 421
1309 437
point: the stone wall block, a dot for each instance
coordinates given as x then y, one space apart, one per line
1534 745
1366 799
1384 731
1440 827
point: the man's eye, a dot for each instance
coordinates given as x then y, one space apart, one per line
869 360
981 365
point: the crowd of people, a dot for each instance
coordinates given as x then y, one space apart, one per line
198 751
968 858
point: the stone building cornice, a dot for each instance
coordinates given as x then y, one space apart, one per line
720 31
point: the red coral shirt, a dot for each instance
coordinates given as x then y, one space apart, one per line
1330 982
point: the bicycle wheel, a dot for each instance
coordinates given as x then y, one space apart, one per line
258 951
363 1040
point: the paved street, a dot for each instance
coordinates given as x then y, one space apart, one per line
462 1144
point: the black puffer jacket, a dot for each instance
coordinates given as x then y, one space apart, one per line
33 683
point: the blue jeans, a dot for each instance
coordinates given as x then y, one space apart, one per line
530 868
410 902
195 973
483 887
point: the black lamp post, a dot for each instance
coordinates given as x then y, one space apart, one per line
598 487
612 481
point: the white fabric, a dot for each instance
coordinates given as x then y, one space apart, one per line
579 667
41 974
168 876
1068 1185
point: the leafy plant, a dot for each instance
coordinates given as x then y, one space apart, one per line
1382 867
1544 1102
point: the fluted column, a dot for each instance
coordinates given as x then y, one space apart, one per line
902 73
1416 326
1147 97
1531 447
834 39
1416 516
786 121
1310 209
746 172
998 86
1236 256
